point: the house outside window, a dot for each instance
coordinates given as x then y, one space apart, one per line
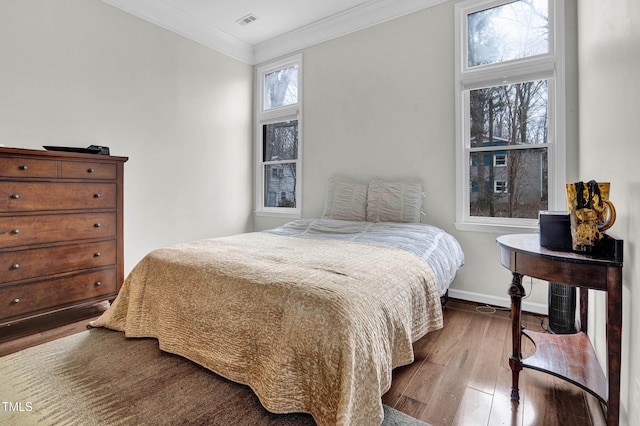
509 112
278 140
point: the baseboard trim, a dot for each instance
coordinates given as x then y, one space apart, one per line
504 302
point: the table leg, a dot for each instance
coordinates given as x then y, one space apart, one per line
614 355
516 291
584 308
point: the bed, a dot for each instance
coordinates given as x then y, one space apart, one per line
313 315
430 243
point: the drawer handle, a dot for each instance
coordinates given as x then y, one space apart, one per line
97 254
15 231
97 225
15 301
15 266
97 284
15 196
97 195
23 167
90 170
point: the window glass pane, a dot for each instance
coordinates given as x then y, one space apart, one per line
280 185
519 190
515 30
281 88
280 141
513 114
508 182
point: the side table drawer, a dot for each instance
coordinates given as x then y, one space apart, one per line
28 168
21 299
87 170
25 230
34 196
33 263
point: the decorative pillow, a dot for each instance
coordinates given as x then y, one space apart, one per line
345 200
394 202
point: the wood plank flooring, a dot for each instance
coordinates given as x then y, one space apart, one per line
460 375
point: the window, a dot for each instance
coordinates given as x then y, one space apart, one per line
278 137
500 186
509 112
499 160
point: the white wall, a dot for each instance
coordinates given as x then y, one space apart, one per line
609 52
380 103
80 72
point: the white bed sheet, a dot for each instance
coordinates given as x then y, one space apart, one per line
439 249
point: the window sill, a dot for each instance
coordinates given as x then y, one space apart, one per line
285 215
496 228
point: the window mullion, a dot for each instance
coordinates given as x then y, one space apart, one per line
508 147
287 113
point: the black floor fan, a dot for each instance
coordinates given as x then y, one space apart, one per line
562 309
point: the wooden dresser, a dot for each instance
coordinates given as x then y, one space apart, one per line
61 231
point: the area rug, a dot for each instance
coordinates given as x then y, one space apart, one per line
99 377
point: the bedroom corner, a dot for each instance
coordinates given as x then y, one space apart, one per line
82 73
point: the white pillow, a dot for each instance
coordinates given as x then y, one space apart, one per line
345 200
394 202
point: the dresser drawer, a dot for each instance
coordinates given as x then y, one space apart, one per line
28 168
87 170
20 299
34 196
33 263
25 230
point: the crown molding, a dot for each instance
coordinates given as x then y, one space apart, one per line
355 19
175 20
351 20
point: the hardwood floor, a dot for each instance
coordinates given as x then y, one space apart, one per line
460 376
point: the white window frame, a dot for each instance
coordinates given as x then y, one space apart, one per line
502 162
548 66
500 183
275 115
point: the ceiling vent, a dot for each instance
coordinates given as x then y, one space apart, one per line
245 20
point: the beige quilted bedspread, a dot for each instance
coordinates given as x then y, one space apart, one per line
311 326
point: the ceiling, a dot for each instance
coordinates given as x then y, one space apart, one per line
279 27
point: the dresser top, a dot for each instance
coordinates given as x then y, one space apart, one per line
41 153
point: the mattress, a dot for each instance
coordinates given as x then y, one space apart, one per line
440 250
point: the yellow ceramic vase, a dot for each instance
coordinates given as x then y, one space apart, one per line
590 213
